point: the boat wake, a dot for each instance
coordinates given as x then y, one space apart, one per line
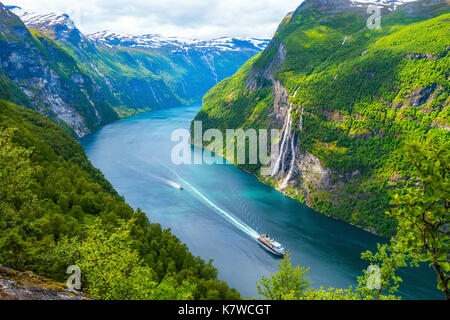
175 185
235 221
155 177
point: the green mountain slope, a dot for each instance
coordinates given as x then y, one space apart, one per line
345 97
56 208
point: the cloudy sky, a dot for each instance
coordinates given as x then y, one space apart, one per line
203 19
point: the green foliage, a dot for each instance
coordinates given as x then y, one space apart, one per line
288 284
172 79
11 92
112 269
329 294
15 166
57 210
423 209
380 276
102 83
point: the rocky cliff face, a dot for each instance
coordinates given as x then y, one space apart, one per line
50 77
304 171
290 168
16 285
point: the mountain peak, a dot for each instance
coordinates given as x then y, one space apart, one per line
33 19
61 27
56 25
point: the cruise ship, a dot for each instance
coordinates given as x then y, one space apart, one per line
271 245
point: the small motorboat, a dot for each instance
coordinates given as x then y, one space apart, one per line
179 186
271 245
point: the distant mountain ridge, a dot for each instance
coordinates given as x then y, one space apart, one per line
49 22
104 76
155 41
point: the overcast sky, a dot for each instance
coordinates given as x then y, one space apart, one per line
203 19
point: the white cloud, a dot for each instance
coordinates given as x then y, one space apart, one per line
203 19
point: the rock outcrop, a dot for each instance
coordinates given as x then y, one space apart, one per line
16 285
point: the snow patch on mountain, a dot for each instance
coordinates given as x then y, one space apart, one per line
35 19
176 44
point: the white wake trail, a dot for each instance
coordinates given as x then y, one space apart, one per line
236 222
164 180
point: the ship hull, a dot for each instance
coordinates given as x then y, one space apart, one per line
269 249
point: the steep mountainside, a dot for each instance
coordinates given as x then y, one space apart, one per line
50 78
345 97
87 81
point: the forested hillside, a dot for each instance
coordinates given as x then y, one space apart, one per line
346 98
57 210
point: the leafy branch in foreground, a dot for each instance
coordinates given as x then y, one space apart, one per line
380 277
288 284
423 212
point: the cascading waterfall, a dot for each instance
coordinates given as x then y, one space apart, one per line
292 164
286 132
288 143
211 67
294 154
300 125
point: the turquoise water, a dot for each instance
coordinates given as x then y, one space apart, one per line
222 209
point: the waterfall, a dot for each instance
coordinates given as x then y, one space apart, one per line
292 165
300 125
294 154
211 67
287 136
286 132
